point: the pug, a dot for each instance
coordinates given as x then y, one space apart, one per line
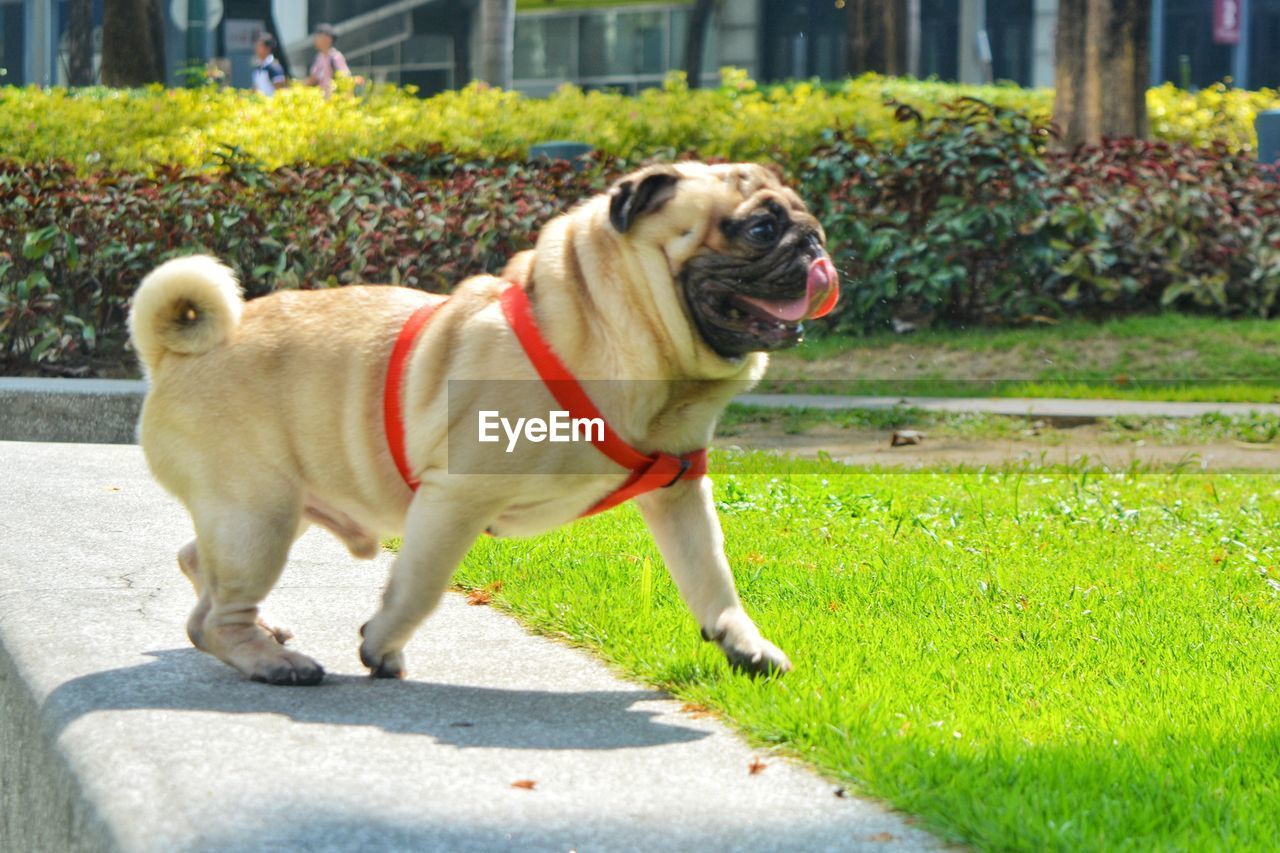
268 416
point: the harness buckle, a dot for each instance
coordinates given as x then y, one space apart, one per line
685 465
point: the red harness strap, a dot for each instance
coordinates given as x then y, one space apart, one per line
648 471
392 406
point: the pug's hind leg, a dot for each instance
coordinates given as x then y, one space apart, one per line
684 523
241 551
189 563
438 533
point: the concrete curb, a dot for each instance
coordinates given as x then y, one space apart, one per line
96 411
105 411
115 734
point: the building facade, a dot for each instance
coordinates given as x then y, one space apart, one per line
429 43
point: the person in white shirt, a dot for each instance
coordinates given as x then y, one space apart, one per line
268 73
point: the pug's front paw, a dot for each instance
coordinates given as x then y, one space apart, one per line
382 661
747 651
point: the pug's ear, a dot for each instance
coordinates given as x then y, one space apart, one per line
630 198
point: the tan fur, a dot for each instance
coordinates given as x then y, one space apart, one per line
187 305
266 417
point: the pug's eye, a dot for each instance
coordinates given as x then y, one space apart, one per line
762 232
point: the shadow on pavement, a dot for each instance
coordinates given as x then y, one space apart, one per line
462 716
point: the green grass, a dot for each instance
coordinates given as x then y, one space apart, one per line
1026 659
1200 392
1224 346
1182 392
1159 357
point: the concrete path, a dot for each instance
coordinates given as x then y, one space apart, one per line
116 734
1017 406
105 410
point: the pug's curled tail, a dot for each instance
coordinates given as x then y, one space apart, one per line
187 305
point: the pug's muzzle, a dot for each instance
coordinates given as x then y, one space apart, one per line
743 305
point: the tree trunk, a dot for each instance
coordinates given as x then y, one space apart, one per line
695 40
80 43
132 43
497 41
1102 52
878 33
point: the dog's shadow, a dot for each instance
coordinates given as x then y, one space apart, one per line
189 680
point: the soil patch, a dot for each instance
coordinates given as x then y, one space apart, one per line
870 447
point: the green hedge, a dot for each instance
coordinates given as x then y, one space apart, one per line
972 220
975 220
139 130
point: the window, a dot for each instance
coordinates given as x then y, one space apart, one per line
628 49
11 54
623 44
939 37
1264 52
1189 51
546 47
680 34
805 39
1009 24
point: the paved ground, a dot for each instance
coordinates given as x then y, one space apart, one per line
1017 406
116 734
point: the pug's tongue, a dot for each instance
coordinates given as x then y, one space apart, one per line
822 290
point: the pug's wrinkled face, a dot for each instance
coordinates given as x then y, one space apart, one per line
761 268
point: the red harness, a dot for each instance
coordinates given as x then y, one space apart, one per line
648 471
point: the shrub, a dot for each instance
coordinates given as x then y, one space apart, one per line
1147 225
72 250
142 129
937 228
1213 114
971 220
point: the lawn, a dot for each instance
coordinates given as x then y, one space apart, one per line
1166 357
1025 659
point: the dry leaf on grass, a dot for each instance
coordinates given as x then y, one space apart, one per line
477 597
696 711
525 784
756 766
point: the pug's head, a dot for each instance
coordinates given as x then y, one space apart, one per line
745 256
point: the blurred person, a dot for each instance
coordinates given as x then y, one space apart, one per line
329 61
268 73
